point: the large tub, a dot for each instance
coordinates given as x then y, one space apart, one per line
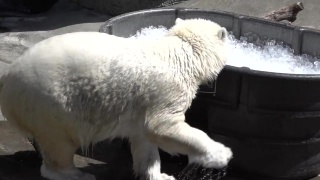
270 120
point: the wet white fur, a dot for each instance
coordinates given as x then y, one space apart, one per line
74 89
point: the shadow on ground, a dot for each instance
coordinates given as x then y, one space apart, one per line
108 162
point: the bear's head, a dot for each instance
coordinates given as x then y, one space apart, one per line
208 42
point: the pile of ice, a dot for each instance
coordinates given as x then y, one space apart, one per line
151 33
254 52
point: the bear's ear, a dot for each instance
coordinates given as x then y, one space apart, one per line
222 34
178 20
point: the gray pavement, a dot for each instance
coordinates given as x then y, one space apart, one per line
308 17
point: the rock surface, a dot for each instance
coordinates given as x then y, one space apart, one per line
116 7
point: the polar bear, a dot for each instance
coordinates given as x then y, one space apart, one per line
79 88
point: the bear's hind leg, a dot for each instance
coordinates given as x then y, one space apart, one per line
57 153
171 133
146 160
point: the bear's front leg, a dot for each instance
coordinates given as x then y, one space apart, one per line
170 133
146 160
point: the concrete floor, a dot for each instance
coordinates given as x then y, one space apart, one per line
19 161
307 17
